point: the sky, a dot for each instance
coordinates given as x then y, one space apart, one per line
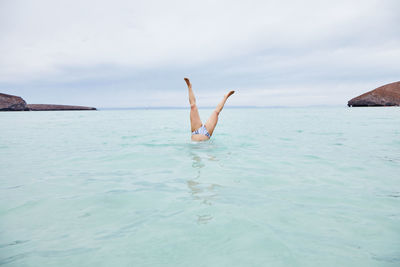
124 53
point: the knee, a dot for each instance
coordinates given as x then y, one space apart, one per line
217 112
193 106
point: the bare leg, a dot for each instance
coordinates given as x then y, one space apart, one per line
195 121
212 121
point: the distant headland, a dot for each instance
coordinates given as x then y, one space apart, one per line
16 103
387 95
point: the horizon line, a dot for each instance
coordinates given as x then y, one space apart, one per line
212 107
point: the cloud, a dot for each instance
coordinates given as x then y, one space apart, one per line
137 47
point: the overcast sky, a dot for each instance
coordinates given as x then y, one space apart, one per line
135 53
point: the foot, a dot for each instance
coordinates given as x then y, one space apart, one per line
188 82
229 94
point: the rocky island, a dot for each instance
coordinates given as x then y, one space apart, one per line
387 95
48 107
16 103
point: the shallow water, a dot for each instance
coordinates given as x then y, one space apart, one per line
273 187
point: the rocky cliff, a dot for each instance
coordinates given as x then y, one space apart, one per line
12 103
387 95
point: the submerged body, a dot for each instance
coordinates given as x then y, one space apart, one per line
200 131
199 137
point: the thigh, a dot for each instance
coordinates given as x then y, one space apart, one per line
212 122
195 121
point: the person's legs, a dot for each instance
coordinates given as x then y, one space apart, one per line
212 121
195 121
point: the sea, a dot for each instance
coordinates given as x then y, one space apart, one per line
284 186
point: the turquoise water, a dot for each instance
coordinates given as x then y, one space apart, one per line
273 187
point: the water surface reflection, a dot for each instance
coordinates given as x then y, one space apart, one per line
203 192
